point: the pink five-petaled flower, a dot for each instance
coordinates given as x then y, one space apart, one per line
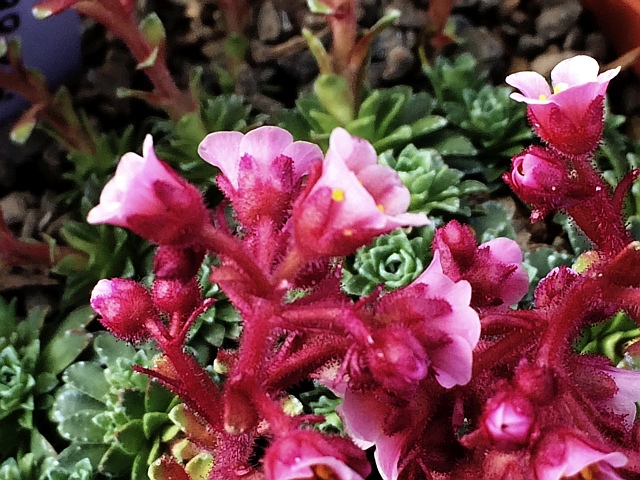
436 310
494 269
571 117
350 201
565 453
311 455
124 306
261 170
150 199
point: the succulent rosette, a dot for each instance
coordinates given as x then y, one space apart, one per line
569 115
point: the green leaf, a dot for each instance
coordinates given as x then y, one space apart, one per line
140 467
152 30
75 453
452 143
157 398
495 223
116 462
109 348
131 437
68 340
428 124
80 427
88 378
70 401
152 422
132 402
317 6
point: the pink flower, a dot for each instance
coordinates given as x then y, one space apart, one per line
436 310
540 177
508 419
494 269
570 117
351 201
124 306
364 419
310 455
150 199
261 170
565 453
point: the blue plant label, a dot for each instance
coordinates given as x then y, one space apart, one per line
51 46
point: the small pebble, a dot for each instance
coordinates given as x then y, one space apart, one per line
269 23
555 21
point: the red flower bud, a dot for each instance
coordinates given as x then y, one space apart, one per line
175 296
177 263
125 307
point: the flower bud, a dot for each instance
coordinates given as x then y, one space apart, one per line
174 296
508 419
494 269
177 263
125 306
397 360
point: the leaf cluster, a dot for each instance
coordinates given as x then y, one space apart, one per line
116 418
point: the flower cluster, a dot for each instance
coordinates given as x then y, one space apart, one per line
443 375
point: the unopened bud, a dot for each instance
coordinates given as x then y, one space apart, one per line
175 296
125 307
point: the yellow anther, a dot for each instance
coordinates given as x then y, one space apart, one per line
542 97
380 207
337 195
347 232
590 472
561 87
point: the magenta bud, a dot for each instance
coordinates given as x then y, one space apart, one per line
125 307
397 360
508 419
177 263
539 176
175 296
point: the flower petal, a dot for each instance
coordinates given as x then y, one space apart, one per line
304 154
221 149
575 71
530 84
265 143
